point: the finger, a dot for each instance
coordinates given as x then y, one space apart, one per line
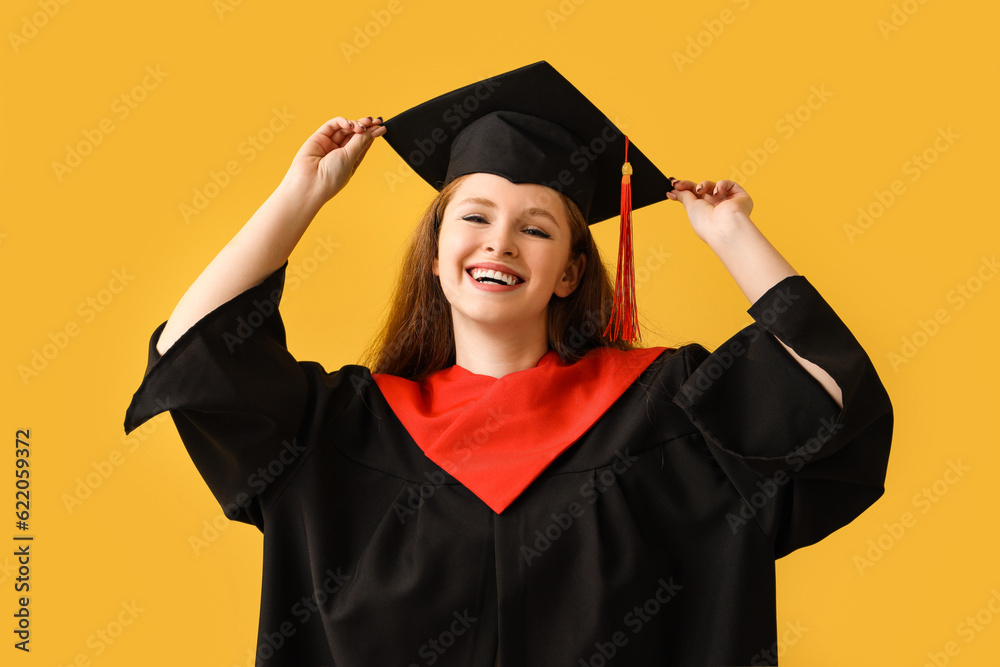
672 194
728 188
368 121
722 188
372 129
684 194
679 186
334 132
361 155
359 144
334 125
697 190
369 124
704 187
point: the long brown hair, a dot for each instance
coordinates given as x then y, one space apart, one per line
418 339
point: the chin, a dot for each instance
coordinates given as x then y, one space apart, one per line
494 316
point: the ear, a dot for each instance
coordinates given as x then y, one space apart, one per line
570 278
434 267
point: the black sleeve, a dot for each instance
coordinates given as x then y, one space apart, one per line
803 466
236 395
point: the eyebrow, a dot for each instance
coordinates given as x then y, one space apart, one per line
533 211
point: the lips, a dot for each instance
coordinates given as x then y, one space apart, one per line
494 274
491 276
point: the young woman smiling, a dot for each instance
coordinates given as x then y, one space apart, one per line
503 484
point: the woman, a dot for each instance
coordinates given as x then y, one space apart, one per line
510 487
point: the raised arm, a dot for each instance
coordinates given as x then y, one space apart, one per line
720 216
320 169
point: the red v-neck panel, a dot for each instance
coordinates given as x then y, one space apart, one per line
497 435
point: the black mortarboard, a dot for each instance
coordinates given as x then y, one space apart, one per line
531 125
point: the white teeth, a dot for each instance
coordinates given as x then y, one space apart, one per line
496 275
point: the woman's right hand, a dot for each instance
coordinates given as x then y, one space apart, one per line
319 170
329 158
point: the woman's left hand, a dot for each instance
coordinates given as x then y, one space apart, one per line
712 207
720 215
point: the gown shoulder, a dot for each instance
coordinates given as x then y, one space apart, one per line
239 399
803 465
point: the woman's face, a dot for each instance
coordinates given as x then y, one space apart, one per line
521 230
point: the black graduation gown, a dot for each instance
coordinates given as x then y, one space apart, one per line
650 541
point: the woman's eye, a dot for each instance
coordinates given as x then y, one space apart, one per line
533 231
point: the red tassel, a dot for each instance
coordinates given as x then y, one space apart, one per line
624 318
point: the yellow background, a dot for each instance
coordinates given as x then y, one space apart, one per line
897 76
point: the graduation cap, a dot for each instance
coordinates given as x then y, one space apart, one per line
531 125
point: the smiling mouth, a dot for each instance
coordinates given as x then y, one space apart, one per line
491 277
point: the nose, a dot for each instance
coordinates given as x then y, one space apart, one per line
500 240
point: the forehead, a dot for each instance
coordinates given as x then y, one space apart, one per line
505 193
